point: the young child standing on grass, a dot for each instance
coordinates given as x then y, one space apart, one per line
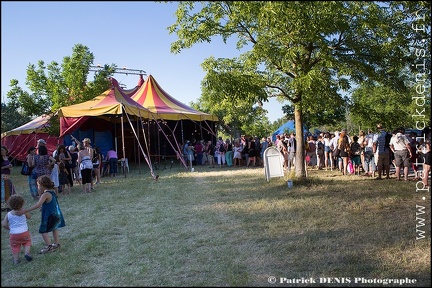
63 178
19 235
52 217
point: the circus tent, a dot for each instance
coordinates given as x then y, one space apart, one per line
179 120
104 114
151 96
20 139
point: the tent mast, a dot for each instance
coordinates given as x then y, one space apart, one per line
182 132
123 142
138 154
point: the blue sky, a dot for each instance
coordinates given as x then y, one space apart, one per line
131 34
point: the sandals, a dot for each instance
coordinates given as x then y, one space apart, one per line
28 257
46 249
55 246
50 248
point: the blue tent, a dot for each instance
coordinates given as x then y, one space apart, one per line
287 127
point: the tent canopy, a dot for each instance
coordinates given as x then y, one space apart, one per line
34 126
288 126
153 97
112 102
109 106
20 139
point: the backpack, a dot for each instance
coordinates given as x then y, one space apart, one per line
95 159
26 170
355 148
222 148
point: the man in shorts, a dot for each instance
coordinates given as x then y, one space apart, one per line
400 145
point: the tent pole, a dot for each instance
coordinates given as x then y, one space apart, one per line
155 177
158 147
182 132
149 134
115 136
123 143
139 156
201 132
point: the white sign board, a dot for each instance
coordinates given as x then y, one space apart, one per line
273 163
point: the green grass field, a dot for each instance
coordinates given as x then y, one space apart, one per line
230 227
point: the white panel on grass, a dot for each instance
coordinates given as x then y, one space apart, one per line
273 163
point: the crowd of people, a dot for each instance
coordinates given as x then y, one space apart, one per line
50 175
368 154
245 151
373 153
68 166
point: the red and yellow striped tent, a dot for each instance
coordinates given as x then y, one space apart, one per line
173 114
108 111
151 96
110 105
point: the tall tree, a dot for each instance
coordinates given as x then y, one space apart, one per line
53 86
374 103
236 113
305 52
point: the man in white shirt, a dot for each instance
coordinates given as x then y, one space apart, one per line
400 145
333 145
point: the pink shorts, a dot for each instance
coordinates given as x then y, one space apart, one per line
18 240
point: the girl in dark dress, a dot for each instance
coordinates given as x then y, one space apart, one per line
52 217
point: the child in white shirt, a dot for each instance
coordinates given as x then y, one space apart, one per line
19 235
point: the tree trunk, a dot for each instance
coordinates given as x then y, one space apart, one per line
300 167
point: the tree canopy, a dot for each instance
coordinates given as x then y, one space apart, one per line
53 86
308 53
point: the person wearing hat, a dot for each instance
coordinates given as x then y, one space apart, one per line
86 143
41 142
